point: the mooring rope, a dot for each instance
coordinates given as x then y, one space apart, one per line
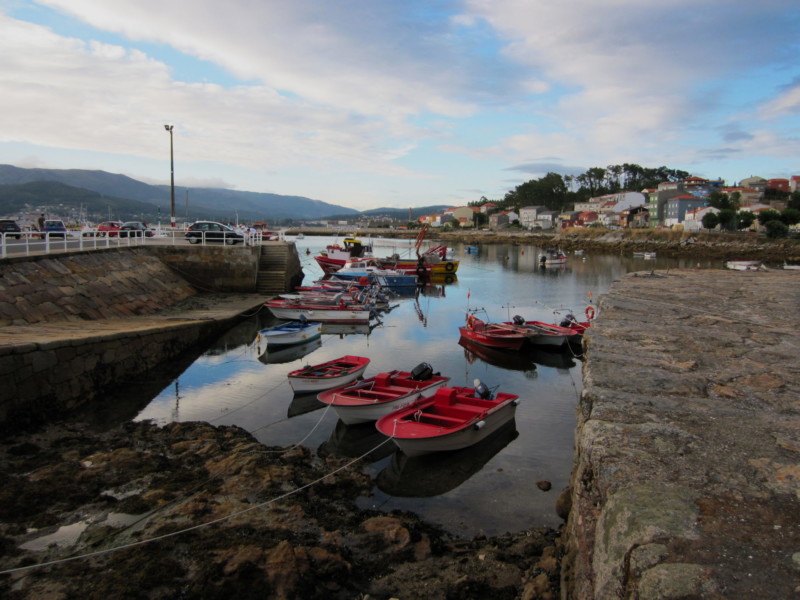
198 526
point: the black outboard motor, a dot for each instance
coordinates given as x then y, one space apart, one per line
518 320
567 321
421 372
482 390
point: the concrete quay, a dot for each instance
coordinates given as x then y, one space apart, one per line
686 481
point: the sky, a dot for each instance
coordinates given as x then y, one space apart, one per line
386 103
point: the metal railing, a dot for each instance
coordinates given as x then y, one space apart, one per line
26 243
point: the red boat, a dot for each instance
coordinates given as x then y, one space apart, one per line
454 418
324 376
370 399
495 335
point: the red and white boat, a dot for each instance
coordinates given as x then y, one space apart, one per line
293 309
495 335
335 255
539 333
372 398
324 376
454 418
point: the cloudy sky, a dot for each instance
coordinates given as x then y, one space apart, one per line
373 103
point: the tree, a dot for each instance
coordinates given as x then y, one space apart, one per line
719 200
765 216
776 229
710 220
790 216
727 219
744 219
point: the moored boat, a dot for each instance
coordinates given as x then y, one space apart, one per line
294 309
743 265
552 256
327 375
495 335
293 332
454 418
370 399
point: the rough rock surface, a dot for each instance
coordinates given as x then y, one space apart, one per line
687 473
195 511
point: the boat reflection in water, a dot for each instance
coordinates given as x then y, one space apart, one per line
439 472
562 357
342 329
285 355
361 439
302 404
505 359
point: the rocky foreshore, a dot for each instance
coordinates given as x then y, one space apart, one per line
195 511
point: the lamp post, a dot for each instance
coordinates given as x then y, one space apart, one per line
171 179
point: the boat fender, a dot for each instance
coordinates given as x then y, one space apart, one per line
449 266
590 312
479 425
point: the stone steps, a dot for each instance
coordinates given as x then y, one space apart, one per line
271 279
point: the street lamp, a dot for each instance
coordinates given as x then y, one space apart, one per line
171 179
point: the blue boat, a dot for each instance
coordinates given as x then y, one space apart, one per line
293 332
366 271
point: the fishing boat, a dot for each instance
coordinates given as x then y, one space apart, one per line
790 267
552 256
293 332
327 375
495 335
372 398
333 257
743 265
286 354
454 418
358 269
539 333
295 308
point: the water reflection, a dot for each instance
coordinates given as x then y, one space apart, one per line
272 356
357 440
435 474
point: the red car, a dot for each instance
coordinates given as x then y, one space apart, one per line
109 228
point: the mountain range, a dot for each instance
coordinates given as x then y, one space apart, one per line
99 195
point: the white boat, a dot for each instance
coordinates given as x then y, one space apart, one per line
289 309
788 267
372 398
743 265
293 332
327 375
552 257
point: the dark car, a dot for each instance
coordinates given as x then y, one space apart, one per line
109 228
54 228
134 229
211 231
9 227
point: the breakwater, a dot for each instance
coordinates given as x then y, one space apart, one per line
687 464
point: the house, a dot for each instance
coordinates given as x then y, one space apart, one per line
637 217
693 220
676 208
778 184
569 219
755 182
587 217
498 219
488 208
528 214
546 219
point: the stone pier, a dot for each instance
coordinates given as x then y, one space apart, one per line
686 481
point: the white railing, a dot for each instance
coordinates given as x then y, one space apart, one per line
26 243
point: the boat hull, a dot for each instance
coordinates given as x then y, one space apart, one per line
331 374
287 335
452 420
507 342
325 315
743 265
370 400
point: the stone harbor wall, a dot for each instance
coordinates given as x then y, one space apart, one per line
687 470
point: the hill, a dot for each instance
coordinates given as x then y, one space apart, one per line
127 198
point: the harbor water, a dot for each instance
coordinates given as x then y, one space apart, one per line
493 487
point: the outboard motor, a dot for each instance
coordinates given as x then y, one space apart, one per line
567 321
482 390
421 372
518 320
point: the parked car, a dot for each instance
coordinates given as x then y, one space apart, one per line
109 228
9 227
54 228
134 229
211 231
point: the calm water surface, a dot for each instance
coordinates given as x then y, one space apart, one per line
490 487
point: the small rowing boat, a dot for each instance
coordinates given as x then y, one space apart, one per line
293 332
494 335
454 418
370 399
324 376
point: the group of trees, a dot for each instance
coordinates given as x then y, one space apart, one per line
561 192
